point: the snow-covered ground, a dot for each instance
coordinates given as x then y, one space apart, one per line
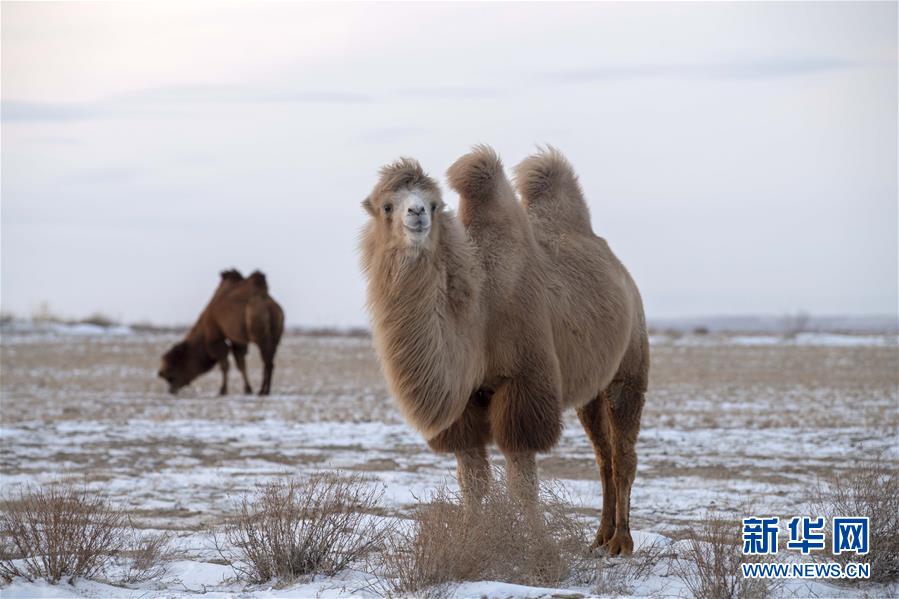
728 421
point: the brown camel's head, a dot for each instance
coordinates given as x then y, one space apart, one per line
404 206
182 364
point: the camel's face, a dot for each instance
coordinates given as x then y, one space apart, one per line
415 212
406 217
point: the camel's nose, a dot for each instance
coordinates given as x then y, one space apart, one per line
417 210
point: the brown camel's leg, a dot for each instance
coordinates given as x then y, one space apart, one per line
217 349
223 364
626 403
240 357
595 420
268 365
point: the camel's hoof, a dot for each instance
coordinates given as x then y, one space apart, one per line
622 545
248 390
602 537
223 392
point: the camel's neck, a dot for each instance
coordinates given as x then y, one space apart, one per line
428 328
196 336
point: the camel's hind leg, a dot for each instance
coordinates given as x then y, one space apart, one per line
595 419
626 406
268 367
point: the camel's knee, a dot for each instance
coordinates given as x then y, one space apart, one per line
525 416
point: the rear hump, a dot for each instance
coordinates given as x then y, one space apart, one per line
257 278
551 192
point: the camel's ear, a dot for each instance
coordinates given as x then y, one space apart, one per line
366 203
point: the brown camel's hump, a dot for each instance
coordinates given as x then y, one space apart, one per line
551 192
258 280
231 275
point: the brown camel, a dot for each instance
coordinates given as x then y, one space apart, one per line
489 325
240 311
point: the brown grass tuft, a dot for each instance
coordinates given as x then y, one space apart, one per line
150 556
291 528
870 489
710 565
442 546
617 576
65 532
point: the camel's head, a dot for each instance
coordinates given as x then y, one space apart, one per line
182 364
404 207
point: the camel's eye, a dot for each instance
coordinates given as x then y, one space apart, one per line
388 208
433 207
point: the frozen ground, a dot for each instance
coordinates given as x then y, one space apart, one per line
728 421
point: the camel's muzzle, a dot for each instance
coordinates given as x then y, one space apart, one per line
417 225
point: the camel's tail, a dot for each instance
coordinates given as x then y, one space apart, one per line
550 190
476 176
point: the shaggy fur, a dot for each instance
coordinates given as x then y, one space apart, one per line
555 321
424 302
240 311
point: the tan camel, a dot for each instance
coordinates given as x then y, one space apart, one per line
488 330
240 311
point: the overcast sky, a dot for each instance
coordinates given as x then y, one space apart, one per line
739 158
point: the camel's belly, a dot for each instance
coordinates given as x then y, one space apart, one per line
589 361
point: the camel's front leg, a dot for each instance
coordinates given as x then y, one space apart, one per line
521 476
473 470
525 418
468 438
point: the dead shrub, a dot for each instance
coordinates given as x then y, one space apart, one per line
150 555
710 567
870 490
65 532
291 528
441 545
99 319
617 576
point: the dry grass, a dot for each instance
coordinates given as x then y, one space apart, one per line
710 567
150 556
617 576
871 489
64 532
290 528
442 546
